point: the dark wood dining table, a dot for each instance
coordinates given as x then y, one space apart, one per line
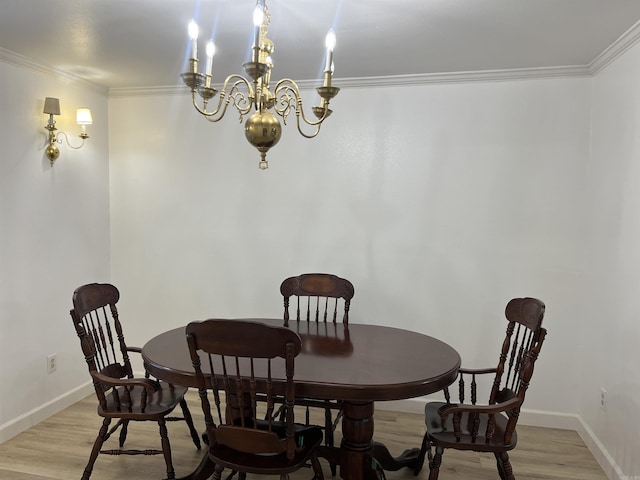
357 364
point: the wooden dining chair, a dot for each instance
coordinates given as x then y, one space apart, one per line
120 395
319 298
490 427
250 361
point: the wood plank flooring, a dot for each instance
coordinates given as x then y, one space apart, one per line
58 449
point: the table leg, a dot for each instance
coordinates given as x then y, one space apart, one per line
357 461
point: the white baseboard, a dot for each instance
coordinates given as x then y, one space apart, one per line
533 418
27 420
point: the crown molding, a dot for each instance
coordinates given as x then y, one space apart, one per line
21 61
163 91
393 80
465 77
626 41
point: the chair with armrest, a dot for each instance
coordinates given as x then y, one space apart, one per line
120 395
490 427
250 362
319 298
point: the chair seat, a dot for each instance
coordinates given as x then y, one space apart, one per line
307 439
158 404
443 435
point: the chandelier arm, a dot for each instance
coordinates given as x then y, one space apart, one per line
243 102
287 90
306 135
203 110
58 140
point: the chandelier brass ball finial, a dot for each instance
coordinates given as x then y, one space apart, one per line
263 131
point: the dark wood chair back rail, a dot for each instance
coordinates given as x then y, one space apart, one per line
317 297
490 427
240 438
120 395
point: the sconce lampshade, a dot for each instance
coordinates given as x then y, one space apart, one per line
83 116
51 106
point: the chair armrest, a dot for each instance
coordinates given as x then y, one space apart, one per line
474 414
477 371
501 407
149 385
465 374
134 349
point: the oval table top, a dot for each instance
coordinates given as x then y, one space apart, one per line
351 363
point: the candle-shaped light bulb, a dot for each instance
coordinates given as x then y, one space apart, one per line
258 18
193 35
330 43
258 15
211 51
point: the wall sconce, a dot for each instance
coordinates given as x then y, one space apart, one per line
83 118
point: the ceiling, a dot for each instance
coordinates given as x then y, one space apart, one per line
143 43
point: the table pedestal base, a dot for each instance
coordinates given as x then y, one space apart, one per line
360 457
356 451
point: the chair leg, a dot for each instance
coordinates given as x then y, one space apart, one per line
102 436
434 463
328 428
504 466
233 473
422 454
499 464
123 433
317 468
166 449
187 418
217 472
328 437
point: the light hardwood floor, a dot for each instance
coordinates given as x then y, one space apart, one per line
58 449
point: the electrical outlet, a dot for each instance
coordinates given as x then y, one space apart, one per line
52 363
603 399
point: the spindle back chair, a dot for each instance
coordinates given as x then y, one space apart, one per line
250 362
120 394
490 427
320 298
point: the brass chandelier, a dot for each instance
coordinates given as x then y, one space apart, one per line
262 129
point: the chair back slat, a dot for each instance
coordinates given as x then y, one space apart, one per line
242 356
319 293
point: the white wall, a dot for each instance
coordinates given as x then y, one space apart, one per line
439 202
54 236
611 310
